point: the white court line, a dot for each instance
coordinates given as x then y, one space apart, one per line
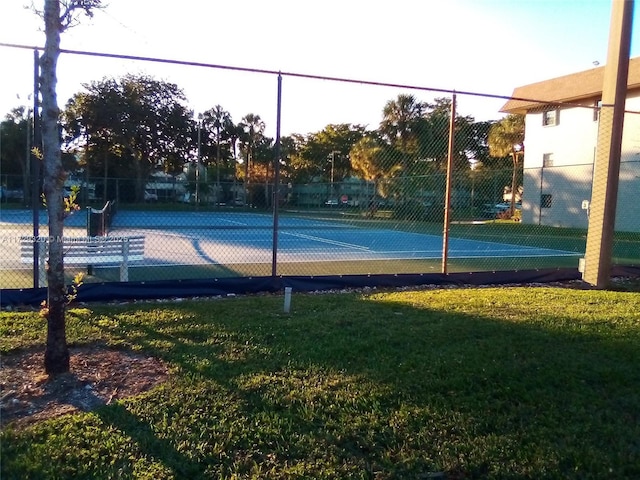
330 242
235 223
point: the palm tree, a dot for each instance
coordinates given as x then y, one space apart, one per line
368 160
236 134
400 117
253 128
506 138
221 122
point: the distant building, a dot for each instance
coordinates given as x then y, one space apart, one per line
165 187
560 146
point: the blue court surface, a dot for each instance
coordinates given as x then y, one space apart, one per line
196 238
231 237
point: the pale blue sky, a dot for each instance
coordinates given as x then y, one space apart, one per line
485 46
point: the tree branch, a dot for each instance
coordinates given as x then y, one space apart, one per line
68 8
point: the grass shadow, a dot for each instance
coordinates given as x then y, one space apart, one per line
525 386
395 385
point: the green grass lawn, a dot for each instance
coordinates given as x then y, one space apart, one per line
475 383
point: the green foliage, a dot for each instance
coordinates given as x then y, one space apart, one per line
13 138
70 296
69 203
474 383
371 159
318 152
506 133
216 138
129 125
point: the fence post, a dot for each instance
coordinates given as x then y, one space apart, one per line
124 266
447 201
276 183
42 271
607 163
90 234
35 170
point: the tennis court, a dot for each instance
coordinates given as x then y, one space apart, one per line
212 244
231 238
180 245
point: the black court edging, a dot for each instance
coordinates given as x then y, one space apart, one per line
163 289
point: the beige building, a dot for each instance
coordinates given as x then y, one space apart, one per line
561 127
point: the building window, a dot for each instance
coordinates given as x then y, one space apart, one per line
597 105
546 200
551 117
547 159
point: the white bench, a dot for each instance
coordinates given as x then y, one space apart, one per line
86 251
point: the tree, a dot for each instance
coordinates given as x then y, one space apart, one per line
297 168
131 125
263 165
506 138
15 154
372 160
157 124
329 148
219 121
236 132
398 125
253 129
92 131
432 132
476 141
58 16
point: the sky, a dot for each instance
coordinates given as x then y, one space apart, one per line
482 46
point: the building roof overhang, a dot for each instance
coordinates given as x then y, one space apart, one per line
573 88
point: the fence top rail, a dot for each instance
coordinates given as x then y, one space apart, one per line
281 73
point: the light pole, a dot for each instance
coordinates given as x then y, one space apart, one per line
218 164
332 160
198 160
472 173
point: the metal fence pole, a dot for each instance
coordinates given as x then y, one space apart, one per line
276 183
447 202
35 169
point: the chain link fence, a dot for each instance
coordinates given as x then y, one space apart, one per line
388 226
354 198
